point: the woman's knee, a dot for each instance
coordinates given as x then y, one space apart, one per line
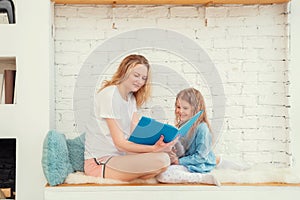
163 159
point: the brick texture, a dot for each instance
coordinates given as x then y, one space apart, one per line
247 44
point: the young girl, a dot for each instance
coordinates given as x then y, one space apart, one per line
188 103
108 153
193 158
195 149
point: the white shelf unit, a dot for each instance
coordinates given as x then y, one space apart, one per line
29 43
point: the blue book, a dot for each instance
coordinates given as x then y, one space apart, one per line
148 130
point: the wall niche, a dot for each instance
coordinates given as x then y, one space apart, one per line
7 168
7 12
7 80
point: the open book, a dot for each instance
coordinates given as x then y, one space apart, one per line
148 130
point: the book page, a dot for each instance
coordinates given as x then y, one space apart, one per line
186 127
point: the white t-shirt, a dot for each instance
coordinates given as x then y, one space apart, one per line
108 104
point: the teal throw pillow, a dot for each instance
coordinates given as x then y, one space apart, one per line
76 152
55 159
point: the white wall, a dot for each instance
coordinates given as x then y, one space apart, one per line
28 120
248 46
295 84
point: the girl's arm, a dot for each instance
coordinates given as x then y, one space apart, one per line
201 155
124 145
202 148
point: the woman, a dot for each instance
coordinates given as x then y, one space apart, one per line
108 153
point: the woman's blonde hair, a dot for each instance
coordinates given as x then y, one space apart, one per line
122 73
196 100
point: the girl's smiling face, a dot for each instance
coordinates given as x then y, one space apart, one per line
183 109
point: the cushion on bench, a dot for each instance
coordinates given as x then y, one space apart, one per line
61 156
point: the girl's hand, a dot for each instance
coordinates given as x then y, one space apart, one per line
161 146
173 157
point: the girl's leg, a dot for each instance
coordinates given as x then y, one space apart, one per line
180 174
130 167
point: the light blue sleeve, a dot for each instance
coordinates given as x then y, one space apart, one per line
200 157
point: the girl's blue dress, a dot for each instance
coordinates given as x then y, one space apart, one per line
199 157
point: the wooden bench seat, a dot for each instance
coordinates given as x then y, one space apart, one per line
246 185
232 191
178 184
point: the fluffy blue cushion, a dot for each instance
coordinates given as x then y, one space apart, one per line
76 152
55 158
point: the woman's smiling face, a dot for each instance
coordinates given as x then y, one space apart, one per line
136 78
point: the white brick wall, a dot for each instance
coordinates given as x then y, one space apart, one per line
247 44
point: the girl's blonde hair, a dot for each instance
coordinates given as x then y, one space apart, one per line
196 100
122 73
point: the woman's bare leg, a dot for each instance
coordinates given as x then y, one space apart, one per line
130 167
